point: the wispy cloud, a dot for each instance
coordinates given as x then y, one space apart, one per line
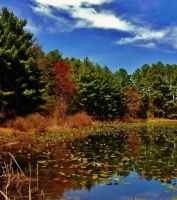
43 9
149 45
86 14
171 37
33 28
60 24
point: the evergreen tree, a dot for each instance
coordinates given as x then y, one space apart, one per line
20 86
124 78
98 90
156 84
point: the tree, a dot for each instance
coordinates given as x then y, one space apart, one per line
110 98
64 86
21 89
156 84
87 88
99 91
124 78
132 103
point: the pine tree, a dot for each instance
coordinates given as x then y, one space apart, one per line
20 86
98 90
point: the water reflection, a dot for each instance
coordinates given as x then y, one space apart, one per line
111 159
141 160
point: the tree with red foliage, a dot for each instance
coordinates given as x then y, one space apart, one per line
132 102
64 86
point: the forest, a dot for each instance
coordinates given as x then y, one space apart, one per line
32 81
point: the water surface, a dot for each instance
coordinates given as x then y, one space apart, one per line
125 163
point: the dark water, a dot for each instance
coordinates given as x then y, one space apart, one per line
121 164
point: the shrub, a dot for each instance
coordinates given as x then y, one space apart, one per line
78 120
57 114
34 122
129 119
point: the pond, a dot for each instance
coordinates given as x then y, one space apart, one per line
125 163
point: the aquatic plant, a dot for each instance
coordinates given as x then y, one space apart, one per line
14 184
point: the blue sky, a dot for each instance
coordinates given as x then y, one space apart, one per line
116 33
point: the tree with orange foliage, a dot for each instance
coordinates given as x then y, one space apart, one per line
64 86
132 102
61 90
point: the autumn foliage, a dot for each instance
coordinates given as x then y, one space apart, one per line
35 123
62 76
132 103
78 120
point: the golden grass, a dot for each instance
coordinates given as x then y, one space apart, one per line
160 120
6 131
80 124
32 123
79 120
37 123
129 119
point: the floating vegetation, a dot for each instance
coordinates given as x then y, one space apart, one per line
107 156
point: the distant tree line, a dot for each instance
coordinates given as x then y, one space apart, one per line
34 81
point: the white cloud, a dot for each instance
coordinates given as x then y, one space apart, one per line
150 45
141 34
90 18
42 9
85 15
59 25
68 3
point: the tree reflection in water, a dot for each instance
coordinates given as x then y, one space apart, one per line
106 158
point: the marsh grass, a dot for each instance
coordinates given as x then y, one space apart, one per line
14 184
129 119
161 121
32 123
71 134
79 120
38 123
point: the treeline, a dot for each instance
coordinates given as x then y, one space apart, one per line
34 81
157 85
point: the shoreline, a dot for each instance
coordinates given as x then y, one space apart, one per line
11 134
